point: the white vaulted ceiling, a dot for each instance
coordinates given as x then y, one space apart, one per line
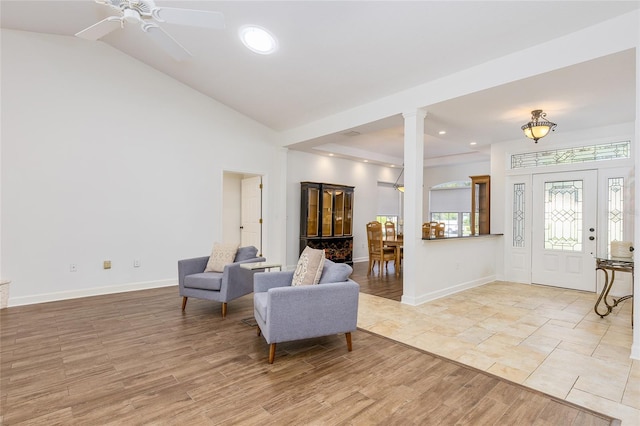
337 55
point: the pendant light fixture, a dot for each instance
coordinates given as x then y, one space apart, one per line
399 186
538 127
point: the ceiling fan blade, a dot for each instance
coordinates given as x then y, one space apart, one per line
166 42
100 29
194 18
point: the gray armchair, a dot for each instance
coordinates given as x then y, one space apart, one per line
224 286
285 313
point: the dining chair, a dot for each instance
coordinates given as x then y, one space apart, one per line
377 251
440 230
434 226
390 230
426 230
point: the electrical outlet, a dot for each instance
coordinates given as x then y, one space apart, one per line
136 263
73 267
106 264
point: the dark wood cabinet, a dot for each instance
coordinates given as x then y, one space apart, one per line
326 219
480 204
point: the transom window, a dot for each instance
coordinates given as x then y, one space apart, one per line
583 154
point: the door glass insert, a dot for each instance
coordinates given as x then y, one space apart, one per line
563 215
518 215
615 210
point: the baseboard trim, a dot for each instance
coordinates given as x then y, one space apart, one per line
635 351
88 292
434 295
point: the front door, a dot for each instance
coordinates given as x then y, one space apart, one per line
564 229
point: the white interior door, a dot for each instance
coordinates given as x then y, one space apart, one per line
564 229
251 213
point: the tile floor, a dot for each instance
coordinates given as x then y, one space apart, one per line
542 337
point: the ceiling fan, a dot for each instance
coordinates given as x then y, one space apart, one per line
148 15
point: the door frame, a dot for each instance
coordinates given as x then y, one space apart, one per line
232 205
517 260
584 277
243 201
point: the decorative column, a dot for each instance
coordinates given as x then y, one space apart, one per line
413 196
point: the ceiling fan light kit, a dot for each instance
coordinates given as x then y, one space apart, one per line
147 14
539 126
131 16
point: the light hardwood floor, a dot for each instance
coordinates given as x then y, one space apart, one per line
135 358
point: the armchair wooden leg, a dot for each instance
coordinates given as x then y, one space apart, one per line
259 332
184 303
272 352
348 336
224 309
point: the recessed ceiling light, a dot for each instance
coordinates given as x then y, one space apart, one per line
258 39
366 161
442 132
473 143
392 165
331 154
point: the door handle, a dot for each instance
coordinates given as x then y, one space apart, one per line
591 238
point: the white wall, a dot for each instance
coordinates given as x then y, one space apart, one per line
451 265
436 175
317 168
104 158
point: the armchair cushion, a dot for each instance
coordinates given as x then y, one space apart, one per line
204 281
335 272
309 267
222 254
260 304
246 253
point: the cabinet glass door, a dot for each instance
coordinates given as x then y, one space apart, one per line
312 212
327 212
338 224
348 213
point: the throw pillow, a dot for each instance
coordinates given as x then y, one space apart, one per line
309 267
335 272
222 254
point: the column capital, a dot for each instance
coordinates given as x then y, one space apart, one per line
418 113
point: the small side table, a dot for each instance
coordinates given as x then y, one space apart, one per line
261 265
257 266
612 265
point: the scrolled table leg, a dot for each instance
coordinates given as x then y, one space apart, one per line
604 293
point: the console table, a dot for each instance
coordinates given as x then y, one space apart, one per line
612 265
